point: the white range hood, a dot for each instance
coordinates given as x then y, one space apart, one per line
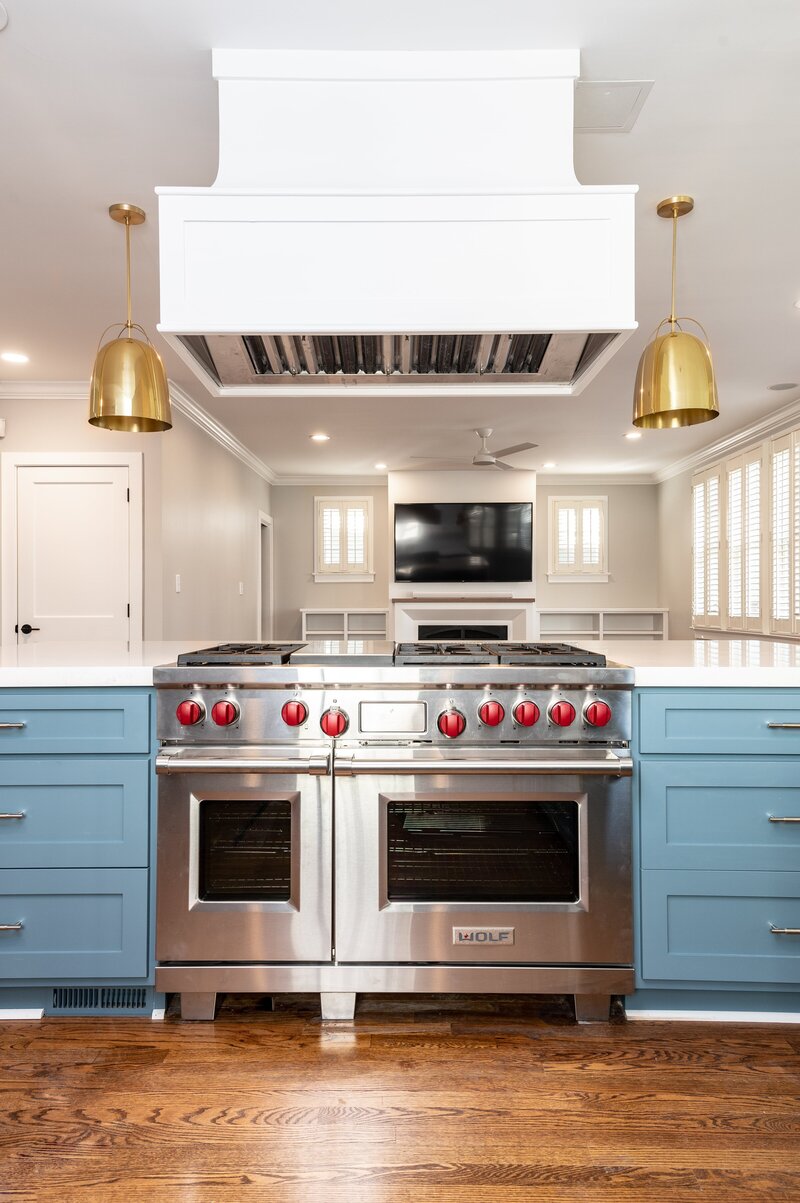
396 220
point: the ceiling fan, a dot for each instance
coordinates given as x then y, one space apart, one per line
484 458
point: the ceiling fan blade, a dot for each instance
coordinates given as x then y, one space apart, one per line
498 463
513 450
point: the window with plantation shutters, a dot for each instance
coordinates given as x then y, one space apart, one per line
781 538
343 539
752 543
578 544
706 528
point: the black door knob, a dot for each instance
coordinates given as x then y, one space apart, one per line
26 628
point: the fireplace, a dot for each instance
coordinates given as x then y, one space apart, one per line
457 618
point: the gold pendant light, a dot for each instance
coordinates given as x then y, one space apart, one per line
129 389
675 383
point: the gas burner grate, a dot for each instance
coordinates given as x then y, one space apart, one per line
437 653
240 653
530 654
563 654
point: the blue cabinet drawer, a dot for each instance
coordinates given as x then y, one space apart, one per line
719 722
74 721
74 923
715 814
69 812
716 927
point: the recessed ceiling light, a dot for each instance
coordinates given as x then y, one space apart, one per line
551 463
319 438
3 16
380 467
780 388
633 434
797 304
14 357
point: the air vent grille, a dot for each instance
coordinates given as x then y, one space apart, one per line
98 999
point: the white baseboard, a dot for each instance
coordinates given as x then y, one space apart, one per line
158 1013
719 1016
21 1013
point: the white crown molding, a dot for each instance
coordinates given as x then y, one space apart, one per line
334 482
44 390
774 424
184 404
593 480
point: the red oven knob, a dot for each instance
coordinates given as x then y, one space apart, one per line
526 714
491 713
597 714
452 723
294 714
561 713
189 713
333 723
224 713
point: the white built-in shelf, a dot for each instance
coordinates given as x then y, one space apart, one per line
344 624
613 623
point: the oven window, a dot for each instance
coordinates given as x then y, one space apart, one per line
245 850
478 851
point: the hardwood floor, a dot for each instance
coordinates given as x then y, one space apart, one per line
463 1100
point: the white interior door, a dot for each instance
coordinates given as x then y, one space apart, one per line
73 537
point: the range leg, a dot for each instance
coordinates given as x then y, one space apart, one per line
338 1006
592 1008
198 1005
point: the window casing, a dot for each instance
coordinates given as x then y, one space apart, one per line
343 539
578 539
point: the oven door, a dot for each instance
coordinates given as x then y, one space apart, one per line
511 859
244 855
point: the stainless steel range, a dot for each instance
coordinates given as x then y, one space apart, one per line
419 817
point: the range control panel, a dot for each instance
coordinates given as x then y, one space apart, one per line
559 714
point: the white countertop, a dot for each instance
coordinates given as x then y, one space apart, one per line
721 663
725 663
88 664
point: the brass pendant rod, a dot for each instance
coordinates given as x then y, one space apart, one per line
671 309
129 323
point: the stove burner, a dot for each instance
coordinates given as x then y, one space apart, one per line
240 653
563 654
530 654
436 653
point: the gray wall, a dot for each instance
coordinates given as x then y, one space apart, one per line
295 587
675 552
632 547
210 535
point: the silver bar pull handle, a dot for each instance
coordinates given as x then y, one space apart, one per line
12 726
784 726
11 926
784 931
20 814
784 819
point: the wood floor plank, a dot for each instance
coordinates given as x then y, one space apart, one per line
436 1101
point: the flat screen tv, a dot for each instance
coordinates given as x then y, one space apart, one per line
463 541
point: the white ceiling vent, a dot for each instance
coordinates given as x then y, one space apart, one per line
405 220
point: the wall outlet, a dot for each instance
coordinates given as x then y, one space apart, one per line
177 582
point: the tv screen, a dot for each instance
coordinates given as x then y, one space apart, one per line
463 541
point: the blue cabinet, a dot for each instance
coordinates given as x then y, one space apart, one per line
76 837
718 851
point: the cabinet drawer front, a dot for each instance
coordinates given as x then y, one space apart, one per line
719 722
74 812
75 923
74 721
715 814
715 927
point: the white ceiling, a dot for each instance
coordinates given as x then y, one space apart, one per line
101 103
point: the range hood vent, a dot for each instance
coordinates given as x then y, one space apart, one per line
413 266
250 359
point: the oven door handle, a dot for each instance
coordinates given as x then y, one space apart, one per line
172 762
601 767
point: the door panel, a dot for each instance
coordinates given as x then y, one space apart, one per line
73 552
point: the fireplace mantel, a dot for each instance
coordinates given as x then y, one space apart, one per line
518 613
